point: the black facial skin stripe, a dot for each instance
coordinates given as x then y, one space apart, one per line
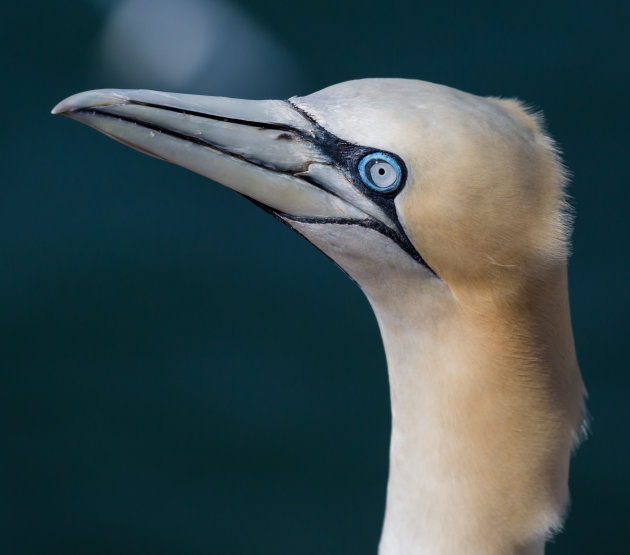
347 156
344 155
400 240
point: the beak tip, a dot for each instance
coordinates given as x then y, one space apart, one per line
90 99
59 108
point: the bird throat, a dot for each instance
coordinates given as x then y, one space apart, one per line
481 427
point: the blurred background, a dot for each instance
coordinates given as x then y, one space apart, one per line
182 374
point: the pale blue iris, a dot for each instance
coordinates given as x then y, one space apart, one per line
379 171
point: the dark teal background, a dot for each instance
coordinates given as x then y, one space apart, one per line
181 374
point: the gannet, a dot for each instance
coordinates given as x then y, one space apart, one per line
448 210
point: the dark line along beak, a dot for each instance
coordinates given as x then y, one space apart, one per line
264 149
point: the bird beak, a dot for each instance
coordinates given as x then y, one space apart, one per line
265 149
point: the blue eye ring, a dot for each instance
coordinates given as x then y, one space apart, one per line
369 160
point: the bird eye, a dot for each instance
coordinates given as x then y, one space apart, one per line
380 172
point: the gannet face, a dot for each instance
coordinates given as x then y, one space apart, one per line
483 194
389 177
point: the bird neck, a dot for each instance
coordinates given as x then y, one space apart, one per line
486 398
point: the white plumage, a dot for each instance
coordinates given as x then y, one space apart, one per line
448 210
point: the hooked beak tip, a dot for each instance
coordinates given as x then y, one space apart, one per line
90 99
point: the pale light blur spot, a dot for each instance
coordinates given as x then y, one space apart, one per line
161 41
207 47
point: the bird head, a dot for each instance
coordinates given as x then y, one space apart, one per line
393 179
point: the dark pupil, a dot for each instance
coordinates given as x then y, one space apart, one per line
381 171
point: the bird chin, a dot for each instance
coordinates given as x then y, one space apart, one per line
364 249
